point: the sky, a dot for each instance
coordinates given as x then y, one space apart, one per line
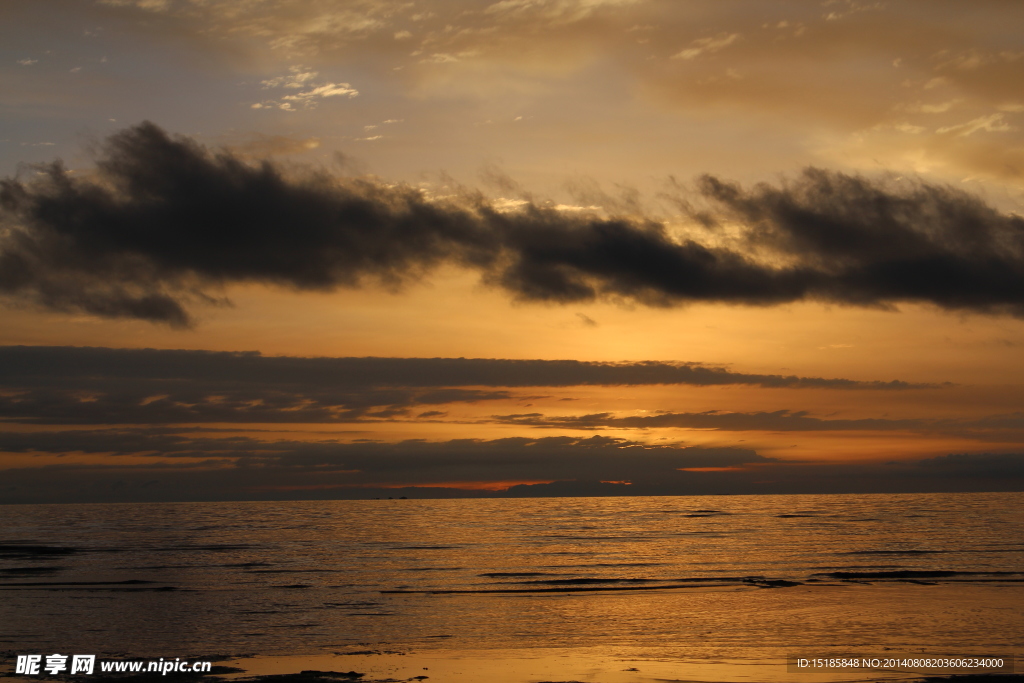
284 249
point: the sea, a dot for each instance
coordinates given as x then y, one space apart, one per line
730 580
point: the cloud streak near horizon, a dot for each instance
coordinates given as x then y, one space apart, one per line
991 427
152 464
163 223
84 385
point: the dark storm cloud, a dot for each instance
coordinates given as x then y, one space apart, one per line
174 464
163 221
871 243
82 385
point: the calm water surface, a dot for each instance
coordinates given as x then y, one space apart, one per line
717 576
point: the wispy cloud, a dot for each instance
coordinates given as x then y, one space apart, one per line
993 123
703 46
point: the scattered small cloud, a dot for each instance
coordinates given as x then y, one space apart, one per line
300 78
707 45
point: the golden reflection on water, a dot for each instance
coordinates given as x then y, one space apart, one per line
719 636
715 636
497 590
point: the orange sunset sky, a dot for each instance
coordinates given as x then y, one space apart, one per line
356 248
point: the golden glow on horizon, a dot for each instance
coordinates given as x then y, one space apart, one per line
453 316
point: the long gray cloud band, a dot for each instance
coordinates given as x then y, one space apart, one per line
81 385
